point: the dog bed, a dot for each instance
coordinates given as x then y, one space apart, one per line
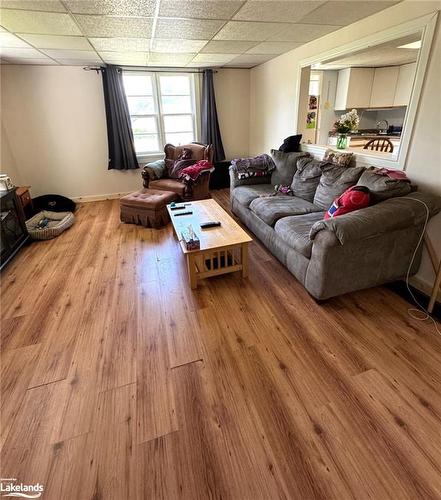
46 225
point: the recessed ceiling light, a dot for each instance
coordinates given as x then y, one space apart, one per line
414 45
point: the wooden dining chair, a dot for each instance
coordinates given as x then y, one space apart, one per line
380 144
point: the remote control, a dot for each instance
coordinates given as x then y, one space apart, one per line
183 213
205 225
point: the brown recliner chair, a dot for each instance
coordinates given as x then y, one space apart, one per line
187 189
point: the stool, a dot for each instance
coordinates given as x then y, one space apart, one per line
146 207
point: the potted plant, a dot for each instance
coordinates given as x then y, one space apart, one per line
346 123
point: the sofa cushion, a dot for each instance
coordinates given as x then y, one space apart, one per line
271 209
286 166
294 231
168 185
334 182
382 187
246 194
307 177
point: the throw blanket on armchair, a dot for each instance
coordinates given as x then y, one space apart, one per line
258 166
192 172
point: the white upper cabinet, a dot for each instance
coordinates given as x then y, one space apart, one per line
383 87
354 88
374 87
404 84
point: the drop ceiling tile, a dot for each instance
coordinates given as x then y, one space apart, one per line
23 21
241 65
199 9
79 62
45 61
124 27
9 40
121 44
143 8
169 59
199 65
273 47
346 12
188 29
253 59
227 47
124 57
57 41
277 11
177 45
205 65
214 58
42 5
302 32
84 55
244 30
15 53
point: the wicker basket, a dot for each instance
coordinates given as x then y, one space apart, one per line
58 222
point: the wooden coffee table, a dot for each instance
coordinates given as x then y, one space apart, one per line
224 249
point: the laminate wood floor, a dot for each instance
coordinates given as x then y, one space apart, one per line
119 382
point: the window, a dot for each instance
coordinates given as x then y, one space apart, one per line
162 110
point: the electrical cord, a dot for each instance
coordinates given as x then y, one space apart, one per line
420 314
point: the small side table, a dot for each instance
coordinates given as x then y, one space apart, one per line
24 198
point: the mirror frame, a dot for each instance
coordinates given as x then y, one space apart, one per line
426 24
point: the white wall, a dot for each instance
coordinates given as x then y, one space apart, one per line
54 129
8 165
232 88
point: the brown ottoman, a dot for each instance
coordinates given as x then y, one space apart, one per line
147 207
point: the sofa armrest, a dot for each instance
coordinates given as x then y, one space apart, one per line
235 181
390 215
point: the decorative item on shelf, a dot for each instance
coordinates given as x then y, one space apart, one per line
5 182
346 123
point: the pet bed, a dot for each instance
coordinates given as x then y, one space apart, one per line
46 225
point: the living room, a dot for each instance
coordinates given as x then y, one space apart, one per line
221 244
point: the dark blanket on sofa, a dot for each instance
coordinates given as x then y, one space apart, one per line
257 166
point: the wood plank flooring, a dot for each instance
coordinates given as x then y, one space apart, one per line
119 382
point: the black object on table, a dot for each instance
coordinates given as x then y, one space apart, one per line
220 178
12 226
206 225
182 213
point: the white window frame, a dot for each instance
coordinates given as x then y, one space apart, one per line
159 115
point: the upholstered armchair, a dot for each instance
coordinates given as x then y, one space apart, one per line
161 175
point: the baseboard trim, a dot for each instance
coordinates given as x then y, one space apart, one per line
99 197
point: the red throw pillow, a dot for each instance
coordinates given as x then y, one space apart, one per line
354 198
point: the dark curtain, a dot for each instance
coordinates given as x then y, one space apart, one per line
122 154
210 124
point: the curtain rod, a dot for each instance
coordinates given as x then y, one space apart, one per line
147 70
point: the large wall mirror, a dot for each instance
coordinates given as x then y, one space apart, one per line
381 80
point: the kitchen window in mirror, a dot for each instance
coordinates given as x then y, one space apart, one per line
364 99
